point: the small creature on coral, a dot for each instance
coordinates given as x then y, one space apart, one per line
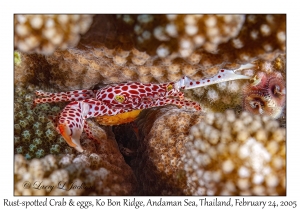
114 100
266 95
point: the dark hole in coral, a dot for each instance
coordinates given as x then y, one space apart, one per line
127 141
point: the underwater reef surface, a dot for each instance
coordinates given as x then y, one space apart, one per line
207 154
234 146
161 48
99 170
43 34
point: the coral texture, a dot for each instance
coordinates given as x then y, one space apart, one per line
211 154
100 170
109 52
182 34
31 68
34 133
45 33
163 133
236 155
167 150
239 94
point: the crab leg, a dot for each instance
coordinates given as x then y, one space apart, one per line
165 101
178 102
175 94
73 92
224 75
72 120
63 96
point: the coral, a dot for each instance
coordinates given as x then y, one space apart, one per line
240 94
162 135
30 68
182 34
70 69
23 70
45 33
171 151
236 155
34 133
211 154
218 97
100 170
109 53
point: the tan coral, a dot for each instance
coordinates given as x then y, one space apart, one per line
236 155
30 68
229 95
222 154
45 33
158 165
190 31
157 53
198 55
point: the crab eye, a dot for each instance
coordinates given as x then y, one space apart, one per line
169 87
119 98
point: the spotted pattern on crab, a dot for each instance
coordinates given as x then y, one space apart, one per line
223 75
134 94
75 95
113 100
72 120
110 101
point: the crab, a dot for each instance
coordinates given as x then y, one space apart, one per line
119 99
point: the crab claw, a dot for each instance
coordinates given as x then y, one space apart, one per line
71 135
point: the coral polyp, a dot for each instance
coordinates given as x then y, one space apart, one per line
224 74
266 95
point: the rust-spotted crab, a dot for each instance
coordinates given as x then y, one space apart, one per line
121 98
